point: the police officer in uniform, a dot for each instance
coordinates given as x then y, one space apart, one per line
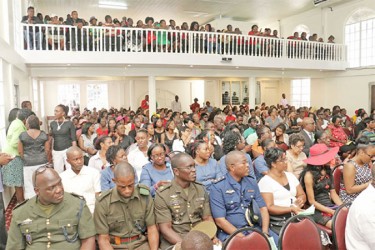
231 196
181 204
52 219
124 216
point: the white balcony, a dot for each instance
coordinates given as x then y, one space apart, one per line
51 44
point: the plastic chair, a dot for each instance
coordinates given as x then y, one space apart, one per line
338 226
253 241
337 174
300 233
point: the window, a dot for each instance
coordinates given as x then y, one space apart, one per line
360 38
300 93
234 92
3 116
97 96
69 96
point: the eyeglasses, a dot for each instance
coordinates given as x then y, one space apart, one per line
40 170
188 168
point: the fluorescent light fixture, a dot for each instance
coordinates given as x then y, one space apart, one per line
113 5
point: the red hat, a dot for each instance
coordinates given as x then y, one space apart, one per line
119 118
320 154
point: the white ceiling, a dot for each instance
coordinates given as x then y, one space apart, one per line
202 11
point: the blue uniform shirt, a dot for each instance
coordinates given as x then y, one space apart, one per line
224 170
229 199
208 173
150 176
260 166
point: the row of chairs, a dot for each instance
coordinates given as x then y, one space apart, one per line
299 233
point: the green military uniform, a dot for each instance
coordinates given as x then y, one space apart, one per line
61 228
125 220
183 208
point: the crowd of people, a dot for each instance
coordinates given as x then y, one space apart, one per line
146 181
84 36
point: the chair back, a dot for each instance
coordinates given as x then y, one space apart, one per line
337 173
300 233
255 240
338 226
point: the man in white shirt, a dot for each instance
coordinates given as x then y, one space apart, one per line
176 105
283 101
80 179
360 224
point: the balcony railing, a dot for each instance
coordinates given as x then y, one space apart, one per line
137 40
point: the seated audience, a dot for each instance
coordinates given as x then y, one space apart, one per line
99 161
280 190
360 230
81 179
280 137
260 165
170 198
114 155
227 203
135 216
317 182
336 133
86 141
207 169
295 156
137 156
357 172
158 171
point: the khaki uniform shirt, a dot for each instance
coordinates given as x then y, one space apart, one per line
125 218
183 211
31 228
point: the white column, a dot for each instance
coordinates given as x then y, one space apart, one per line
252 87
151 95
131 94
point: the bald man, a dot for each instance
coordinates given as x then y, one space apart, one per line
51 219
230 196
81 179
196 240
125 213
308 133
181 204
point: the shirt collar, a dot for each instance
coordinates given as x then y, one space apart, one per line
117 197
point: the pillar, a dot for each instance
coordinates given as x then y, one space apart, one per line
252 89
151 95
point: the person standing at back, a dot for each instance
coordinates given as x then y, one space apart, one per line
176 104
283 101
64 136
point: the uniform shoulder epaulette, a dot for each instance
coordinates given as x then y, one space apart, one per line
21 204
164 187
78 196
218 180
103 194
143 189
199 183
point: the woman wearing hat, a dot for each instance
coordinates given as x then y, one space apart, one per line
357 172
317 181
